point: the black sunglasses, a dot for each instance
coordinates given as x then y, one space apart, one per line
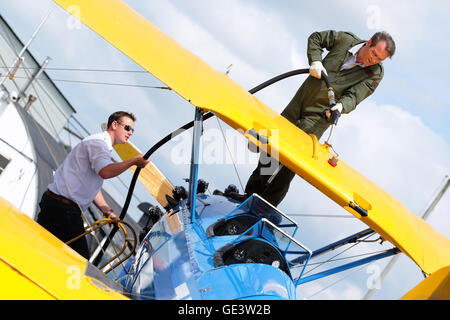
127 127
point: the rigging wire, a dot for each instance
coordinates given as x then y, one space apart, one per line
79 123
337 281
343 258
83 70
97 83
29 76
28 187
338 254
13 80
231 156
321 215
332 259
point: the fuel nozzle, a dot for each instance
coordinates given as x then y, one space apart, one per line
331 97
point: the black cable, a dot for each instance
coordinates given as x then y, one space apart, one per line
278 78
81 69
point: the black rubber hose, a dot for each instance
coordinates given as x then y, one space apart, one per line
176 133
205 117
278 78
325 78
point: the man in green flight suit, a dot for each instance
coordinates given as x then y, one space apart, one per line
354 69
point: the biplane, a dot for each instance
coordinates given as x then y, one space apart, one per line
214 247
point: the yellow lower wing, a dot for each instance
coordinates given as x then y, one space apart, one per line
34 264
152 179
211 90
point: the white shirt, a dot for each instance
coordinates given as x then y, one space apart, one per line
77 178
351 62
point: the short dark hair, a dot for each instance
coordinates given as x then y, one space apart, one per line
383 35
119 114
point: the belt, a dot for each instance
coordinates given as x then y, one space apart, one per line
61 198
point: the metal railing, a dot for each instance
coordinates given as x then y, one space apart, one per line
102 222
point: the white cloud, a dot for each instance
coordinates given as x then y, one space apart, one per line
386 143
395 150
331 289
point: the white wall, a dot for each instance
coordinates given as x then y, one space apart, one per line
18 182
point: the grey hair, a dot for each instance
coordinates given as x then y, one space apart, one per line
383 35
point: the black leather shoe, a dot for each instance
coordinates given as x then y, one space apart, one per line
238 197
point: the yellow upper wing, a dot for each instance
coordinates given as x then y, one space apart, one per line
211 90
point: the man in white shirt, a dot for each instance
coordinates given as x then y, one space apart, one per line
78 181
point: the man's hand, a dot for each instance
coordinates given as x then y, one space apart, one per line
114 169
334 113
105 209
101 204
111 215
338 107
140 161
107 212
316 69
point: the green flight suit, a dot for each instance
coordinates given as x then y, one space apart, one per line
305 110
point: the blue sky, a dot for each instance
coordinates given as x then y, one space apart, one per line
399 137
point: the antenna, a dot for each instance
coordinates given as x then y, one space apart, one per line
19 58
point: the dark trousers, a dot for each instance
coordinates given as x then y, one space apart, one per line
63 221
275 191
278 187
